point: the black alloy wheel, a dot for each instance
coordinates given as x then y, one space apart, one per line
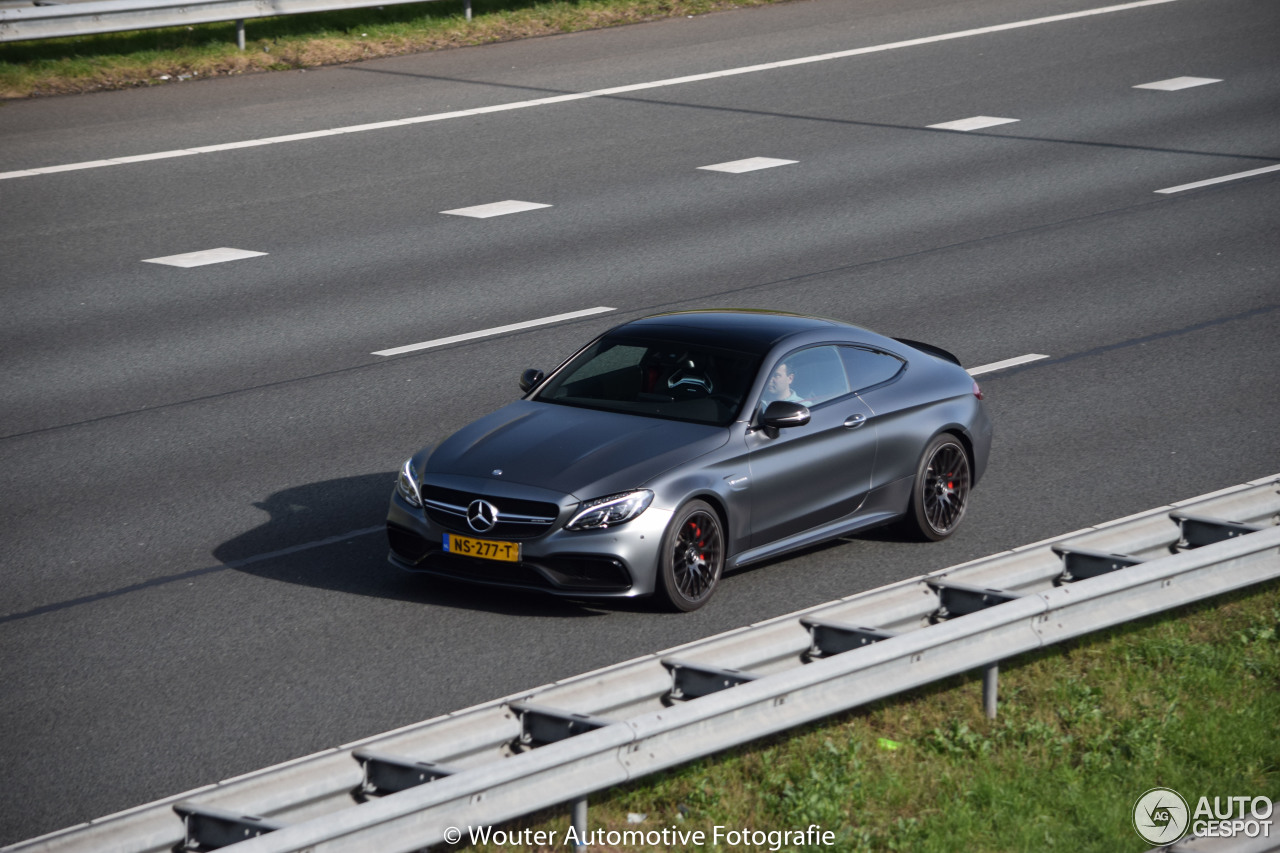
692 556
941 491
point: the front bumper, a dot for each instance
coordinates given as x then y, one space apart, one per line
615 562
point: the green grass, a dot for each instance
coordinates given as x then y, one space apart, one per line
1189 700
146 57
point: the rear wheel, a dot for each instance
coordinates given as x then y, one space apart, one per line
941 491
692 557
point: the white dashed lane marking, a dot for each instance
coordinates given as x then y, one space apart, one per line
1177 83
751 164
974 123
1208 182
203 258
485 333
497 208
1007 363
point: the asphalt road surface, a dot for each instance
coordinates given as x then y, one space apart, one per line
197 459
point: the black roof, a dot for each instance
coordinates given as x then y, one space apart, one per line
745 330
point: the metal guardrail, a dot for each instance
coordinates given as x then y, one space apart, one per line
113 16
402 790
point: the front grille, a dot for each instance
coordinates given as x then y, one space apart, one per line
485 571
517 519
565 574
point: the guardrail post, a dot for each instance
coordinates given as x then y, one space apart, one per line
240 33
467 4
580 823
990 686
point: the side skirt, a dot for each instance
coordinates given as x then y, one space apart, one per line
883 505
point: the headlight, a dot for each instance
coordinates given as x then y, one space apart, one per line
611 510
407 484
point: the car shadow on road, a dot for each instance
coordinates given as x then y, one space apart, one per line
330 535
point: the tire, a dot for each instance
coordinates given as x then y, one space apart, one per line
940 494
692 556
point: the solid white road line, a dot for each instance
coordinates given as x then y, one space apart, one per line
497 208
1007 363
604 93
208 256
1177 83
975 123
751 164
1222 180
484 333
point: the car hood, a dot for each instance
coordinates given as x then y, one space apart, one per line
579 452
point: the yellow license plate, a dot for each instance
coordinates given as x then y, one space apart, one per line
485 549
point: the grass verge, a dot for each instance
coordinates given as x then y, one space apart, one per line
1189 700
176 54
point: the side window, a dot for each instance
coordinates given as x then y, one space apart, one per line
811 376
867 367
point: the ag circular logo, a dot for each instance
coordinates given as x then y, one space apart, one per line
1161 816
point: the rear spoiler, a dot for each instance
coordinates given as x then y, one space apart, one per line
931 349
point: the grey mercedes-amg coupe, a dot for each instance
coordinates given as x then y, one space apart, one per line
674 446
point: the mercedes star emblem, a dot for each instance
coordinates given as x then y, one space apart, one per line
482 516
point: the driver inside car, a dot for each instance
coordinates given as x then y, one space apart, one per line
779 386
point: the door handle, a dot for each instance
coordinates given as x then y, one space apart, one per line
855 421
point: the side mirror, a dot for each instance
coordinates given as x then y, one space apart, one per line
781 414
530 379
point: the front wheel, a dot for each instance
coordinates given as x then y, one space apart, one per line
941 490
692 556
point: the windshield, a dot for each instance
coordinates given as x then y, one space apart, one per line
662 379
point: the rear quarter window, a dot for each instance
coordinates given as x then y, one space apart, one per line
867 368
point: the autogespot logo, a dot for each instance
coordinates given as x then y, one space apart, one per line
1161 816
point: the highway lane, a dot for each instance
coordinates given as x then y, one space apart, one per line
171 434
621 197
195 113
